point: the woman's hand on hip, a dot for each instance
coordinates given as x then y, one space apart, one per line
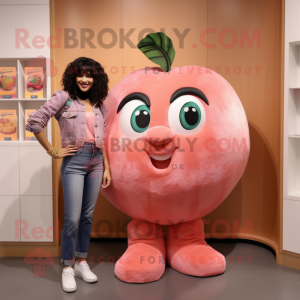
67 151
106 180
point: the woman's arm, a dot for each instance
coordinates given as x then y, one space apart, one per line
41 137
38 120
106 175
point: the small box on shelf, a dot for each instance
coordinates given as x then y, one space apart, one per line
33 85
8 125
8 79
27 107
9 121
32 78
8 83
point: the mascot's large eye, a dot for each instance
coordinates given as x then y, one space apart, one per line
140 118
186 115
134 118
190 115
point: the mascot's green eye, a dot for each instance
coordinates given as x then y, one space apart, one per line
186 115
140 118
190 115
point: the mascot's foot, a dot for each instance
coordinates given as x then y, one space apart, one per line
144 259
187 251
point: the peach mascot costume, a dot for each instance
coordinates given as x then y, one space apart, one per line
178 142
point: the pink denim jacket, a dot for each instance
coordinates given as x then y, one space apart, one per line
72 122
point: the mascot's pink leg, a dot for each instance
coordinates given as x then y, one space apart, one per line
144 259
187 251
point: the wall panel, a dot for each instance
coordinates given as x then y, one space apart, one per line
255 200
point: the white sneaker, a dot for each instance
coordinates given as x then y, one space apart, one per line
68 280
82 270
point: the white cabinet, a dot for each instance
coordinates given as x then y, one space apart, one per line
9 175
35 171
36 219
25 171
26 212
9 219
291 225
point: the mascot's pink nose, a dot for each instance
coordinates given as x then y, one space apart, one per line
159 135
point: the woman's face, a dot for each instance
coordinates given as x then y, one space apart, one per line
85 81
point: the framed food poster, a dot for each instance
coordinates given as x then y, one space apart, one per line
34 77
8 84
8 125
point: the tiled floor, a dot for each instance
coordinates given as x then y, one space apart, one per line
251 273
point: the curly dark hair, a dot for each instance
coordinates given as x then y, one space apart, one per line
98 91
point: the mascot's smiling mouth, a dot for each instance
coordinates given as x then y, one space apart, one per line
161 161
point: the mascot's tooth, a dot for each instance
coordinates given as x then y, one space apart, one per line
161 157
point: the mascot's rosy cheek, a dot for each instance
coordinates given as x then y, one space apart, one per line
177 144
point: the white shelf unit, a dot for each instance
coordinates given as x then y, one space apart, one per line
291 132
292 125
26 169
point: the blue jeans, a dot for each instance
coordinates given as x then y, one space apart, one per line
81 176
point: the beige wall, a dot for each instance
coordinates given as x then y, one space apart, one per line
257 197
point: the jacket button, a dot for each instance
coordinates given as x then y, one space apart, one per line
95 114
83 123
97 137
96 125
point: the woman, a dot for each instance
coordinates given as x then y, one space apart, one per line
82 129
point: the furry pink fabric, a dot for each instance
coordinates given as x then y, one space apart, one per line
188 252
144 260
203 169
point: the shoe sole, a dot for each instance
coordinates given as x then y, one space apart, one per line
69 290
85 279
